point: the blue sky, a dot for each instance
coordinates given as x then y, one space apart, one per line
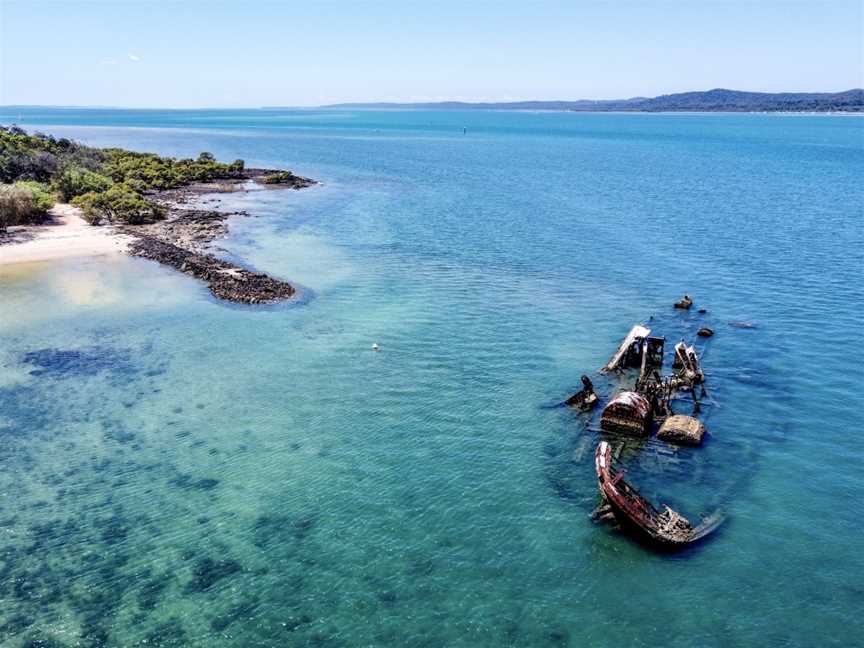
227 54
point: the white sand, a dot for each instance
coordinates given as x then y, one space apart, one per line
67 235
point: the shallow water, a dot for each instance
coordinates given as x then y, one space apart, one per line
181 472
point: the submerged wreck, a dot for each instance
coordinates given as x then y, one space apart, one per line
637 349
644 389
683 430
585 399
666 529
686 365
629 412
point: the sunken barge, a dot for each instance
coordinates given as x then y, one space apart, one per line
642 410
666 529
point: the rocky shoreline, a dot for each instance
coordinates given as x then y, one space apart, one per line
182 239
225 280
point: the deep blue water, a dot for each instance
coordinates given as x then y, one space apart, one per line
177 471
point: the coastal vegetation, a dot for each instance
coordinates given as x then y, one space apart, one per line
24 202
113 185
109 184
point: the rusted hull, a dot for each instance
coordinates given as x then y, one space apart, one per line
640 532
629 349
582 400
637 516
628 413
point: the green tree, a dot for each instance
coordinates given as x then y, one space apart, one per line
76 181
119 204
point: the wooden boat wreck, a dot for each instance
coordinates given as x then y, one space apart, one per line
667 528
629 412
686 365
637 349
585 399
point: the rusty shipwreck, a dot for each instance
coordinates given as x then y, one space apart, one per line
666 529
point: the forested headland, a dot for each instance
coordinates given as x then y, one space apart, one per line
110 185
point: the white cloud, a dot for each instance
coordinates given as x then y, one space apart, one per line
132 57
108 62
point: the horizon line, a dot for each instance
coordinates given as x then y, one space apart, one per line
409 103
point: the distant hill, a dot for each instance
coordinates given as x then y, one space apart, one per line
717 100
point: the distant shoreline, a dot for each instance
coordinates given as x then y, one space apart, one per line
716 100
719 100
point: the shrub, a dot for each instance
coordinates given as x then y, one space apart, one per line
76 182
20 204
92 207
120 204
43 197
108 184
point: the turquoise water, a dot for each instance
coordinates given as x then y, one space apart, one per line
181 472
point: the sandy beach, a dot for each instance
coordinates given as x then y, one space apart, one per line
65 236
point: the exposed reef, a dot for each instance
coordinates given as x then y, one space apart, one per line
182 239
225 280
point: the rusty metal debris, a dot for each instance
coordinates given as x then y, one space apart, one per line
637 349
585 399
682 429
629 412
685 303
626 506
686 365
642 410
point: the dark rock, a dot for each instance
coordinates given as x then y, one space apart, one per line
67 363
292 624
185 480
114 529
225 280
181 240
41 641
243 610
268 528
151 590
278 179
387 598
705 332
685 303
94 635
170 633
208 571
742 325
15 624
303 526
